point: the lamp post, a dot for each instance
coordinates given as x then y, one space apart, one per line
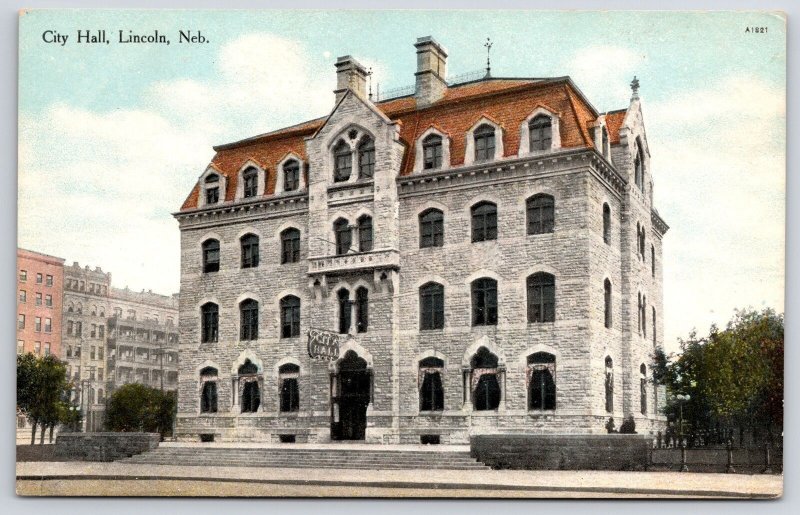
681 399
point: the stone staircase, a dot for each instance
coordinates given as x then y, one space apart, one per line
370 457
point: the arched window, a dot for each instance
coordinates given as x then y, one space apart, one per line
344 236
70 308
248 317
249 244
94 310
362 310
431 228
366 159
653 260
210 256
541 133
344 311
288 376
638 166
541 381
541 297
607 302
643 316
291 175
485 385
484 142
609 384
639 312
210 322
432 152
343 162
484 301
431 392
212 188
484 221
290 317
365 233
541 214
251 392
642 244
250 177
431 306
606 224
654 327
290 245
643 388
208 393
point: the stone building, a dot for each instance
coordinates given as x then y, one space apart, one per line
99 321
487 251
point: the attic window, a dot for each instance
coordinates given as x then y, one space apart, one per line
212 189
366 159
484 143
541 133
343 162
250 177
291 175
432 150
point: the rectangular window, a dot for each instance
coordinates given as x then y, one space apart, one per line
49 280
37 324
78 328
432 307
23 275
291 177
69 352
38 299
100 353
70 326
212 195
46 348
23 296
39 278
93 332
20 346
100 374
48 301
92 352
37 347
101 331
48 325
21 321
91 375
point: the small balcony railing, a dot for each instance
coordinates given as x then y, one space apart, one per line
355 261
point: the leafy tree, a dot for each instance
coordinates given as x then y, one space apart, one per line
136 407
42 388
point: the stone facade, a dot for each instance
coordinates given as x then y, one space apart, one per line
589 163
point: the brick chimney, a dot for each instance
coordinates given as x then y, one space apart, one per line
350 74
431 71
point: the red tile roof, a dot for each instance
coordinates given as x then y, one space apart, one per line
614 121
508 102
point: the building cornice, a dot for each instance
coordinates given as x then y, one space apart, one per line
658 223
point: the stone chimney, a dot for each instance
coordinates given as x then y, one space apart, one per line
431 71
350 74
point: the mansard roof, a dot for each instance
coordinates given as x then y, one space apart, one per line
508 101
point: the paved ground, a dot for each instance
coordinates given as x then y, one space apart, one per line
123 479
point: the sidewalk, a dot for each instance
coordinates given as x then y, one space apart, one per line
123 479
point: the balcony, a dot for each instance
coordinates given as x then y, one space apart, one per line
355 261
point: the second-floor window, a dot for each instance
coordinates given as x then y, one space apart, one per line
290 317
210 256
290 246
431 228
248 311
210 322
541 297
366 159
431 306
249 251
365 234
342 162
344 236
484 222
484 302
541 214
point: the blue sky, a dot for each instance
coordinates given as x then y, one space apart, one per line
112 137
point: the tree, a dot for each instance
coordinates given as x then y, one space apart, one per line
42 388
136 407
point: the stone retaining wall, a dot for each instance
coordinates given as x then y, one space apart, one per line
103 446
562 452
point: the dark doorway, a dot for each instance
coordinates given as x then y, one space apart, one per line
354 383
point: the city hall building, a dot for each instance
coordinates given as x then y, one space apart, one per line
468 258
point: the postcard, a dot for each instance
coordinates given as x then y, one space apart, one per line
485 254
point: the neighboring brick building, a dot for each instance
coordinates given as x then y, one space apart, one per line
40 282
98 319
488 250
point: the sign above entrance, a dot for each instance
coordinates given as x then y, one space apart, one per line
323 344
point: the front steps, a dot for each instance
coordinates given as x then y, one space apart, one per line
366 457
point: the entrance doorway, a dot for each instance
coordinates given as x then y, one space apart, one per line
350 398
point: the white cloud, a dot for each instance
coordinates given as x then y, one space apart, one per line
718 158
604 73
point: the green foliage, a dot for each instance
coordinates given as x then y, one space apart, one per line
42 389
733 375
136 407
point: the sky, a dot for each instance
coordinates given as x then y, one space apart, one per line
112 137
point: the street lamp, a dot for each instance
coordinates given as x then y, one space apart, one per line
681 399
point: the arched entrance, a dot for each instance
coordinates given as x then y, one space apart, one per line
351 393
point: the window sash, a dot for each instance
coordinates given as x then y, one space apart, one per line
344 315
541 135
541 301
484 301
212 195
432 155
250 254
343 166
365 235
250 185
541 216
432 308
344 239
366 163
290 251
211 259
484 225
290 395
362 312
431 231
210 325
291 178
484 146
290 321
249 323
431 393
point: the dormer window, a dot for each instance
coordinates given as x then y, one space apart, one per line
366 159
291 175
250 177
484 143
212 189
343 162
541 133
432 152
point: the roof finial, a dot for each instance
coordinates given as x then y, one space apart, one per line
488 46
635 88
369 74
